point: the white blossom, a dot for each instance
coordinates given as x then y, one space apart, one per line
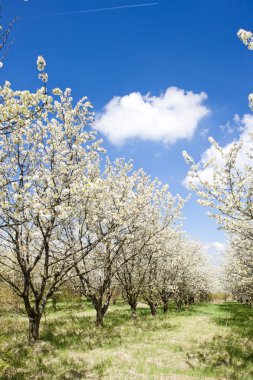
41 63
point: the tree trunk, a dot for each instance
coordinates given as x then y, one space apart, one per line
99 317
165 306
165 297
153 308
101 311
34 328
34 314
133 312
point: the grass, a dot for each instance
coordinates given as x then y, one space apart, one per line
209 341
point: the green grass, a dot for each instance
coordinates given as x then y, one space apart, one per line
209 341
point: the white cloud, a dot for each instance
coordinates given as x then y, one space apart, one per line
218 246
215 251
204 133
232 125
227 128
158 155
245 125
169 117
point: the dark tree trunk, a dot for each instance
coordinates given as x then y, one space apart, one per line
34 328
34 314
165 300
99 317
153 308
101 310
165 306
133 312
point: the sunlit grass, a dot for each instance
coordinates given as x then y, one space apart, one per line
204 342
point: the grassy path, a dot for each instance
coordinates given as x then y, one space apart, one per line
213 341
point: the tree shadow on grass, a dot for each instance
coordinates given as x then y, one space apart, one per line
70 331
19 360
231 352
80 332
238 317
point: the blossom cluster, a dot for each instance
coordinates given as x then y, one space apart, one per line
228 192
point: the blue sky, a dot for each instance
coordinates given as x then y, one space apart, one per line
188 44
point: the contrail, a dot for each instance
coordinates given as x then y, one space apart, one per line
92 10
